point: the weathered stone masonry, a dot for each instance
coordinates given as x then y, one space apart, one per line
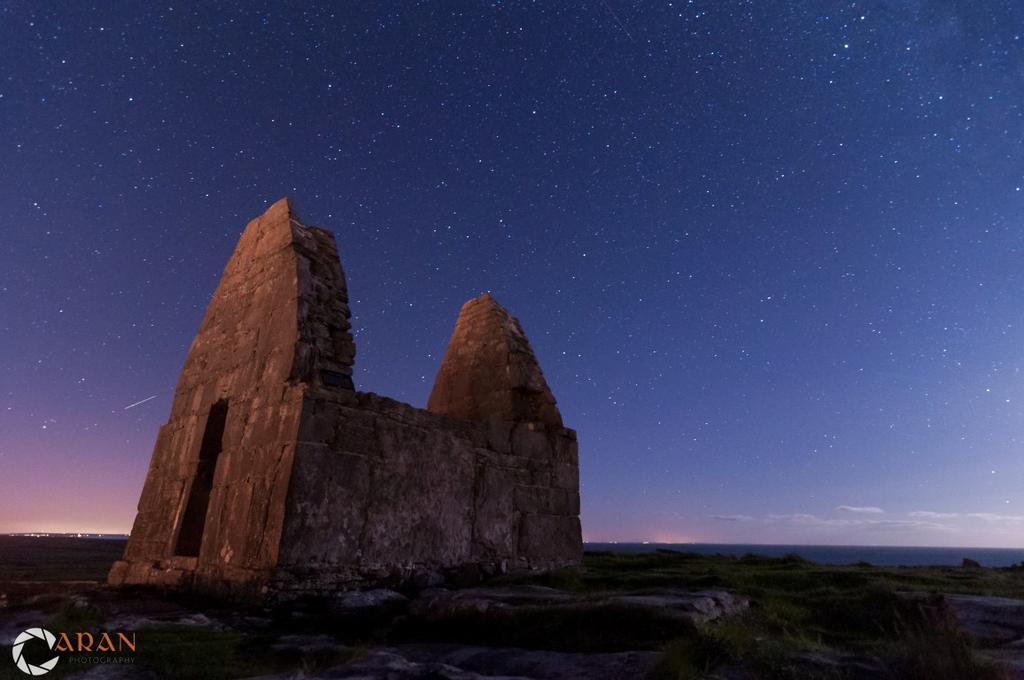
273 478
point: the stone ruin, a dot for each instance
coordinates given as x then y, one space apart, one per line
274 479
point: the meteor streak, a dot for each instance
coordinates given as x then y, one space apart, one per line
139 402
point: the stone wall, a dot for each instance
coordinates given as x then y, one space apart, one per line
382 491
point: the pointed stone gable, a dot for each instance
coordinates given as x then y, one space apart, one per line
213 502
489 372
280 314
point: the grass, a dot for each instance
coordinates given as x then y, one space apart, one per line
803 607
57 558
928 645
754 575
806 620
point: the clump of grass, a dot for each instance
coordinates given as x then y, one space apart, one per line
689 658
737 644
794 558
852 616
75 615
929 645
569 579
780 617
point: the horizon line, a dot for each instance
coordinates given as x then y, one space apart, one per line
94 534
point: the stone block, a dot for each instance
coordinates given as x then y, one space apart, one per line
544 500
550 540
565 476
530 442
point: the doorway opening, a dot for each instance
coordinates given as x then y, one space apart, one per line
190 534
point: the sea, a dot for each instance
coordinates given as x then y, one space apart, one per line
881 556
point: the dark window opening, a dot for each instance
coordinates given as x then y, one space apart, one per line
190 535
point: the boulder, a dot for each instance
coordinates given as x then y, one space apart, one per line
364 600
698 607
695 607
989 620
435 603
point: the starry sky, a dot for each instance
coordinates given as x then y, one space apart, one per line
769 254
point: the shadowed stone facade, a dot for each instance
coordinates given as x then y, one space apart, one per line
273 478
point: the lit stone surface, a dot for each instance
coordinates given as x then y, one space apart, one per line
489 371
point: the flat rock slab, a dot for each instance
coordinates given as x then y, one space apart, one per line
184 618
697 607
537 664
377 601
993 620
834 664
305 644
440 602
453 662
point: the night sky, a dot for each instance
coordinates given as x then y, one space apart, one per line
769 254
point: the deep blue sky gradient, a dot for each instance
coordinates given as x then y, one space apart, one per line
768 253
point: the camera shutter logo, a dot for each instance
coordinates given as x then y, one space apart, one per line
34 634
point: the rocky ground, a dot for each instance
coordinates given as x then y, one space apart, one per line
409 632
996 625
657 615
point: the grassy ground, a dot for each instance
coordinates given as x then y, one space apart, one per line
800 607
799 610
57 558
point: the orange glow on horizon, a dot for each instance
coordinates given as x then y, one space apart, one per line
61 528
658 536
